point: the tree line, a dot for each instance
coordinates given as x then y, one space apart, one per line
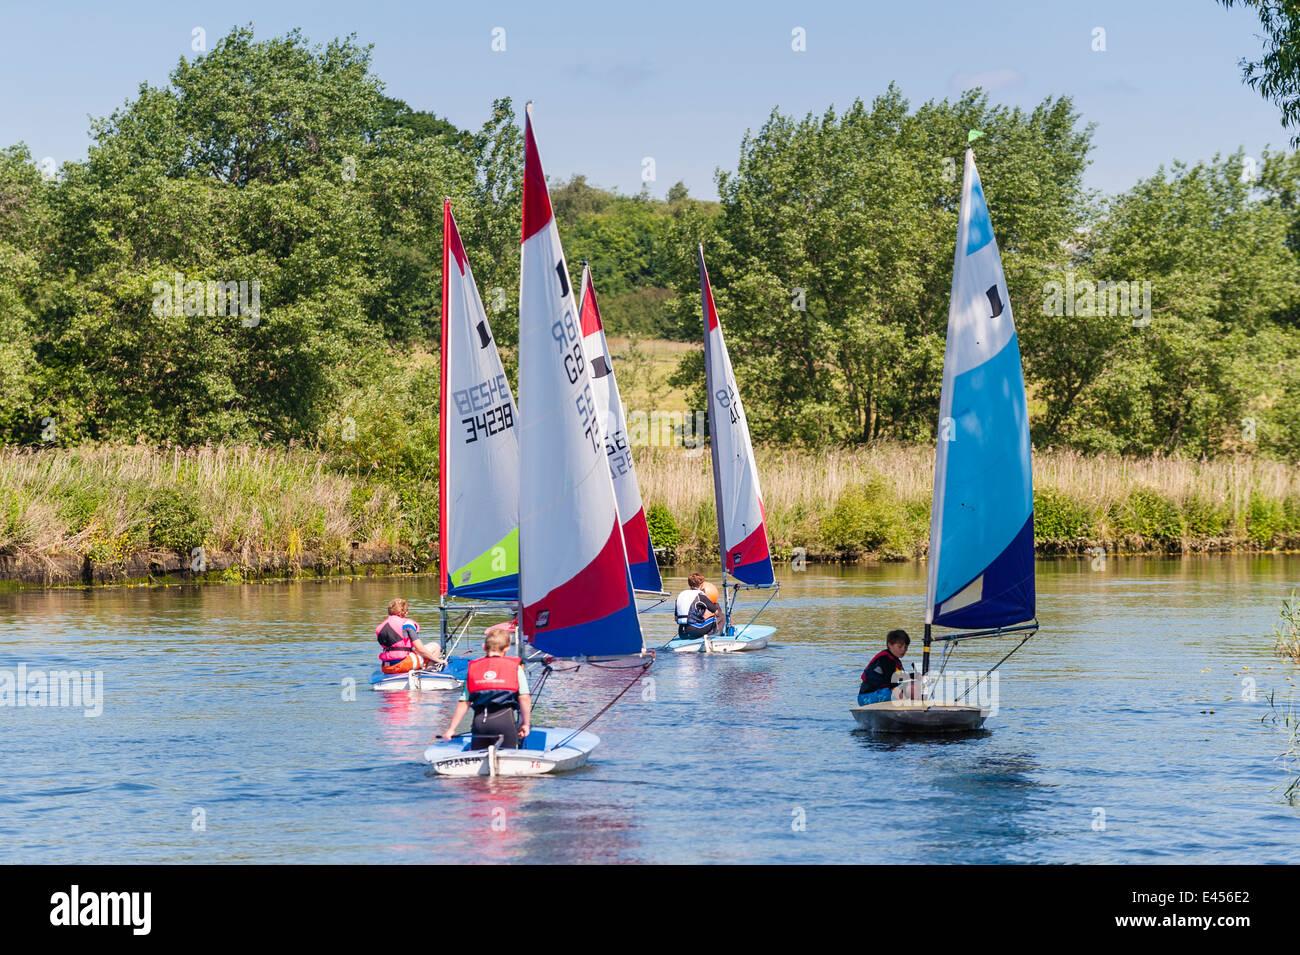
252 252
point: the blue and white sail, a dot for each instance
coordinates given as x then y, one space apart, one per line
981 564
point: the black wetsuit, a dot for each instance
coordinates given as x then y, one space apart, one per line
883 670
489 724
695 625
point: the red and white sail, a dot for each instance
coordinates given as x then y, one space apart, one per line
742 525
627 492
575 588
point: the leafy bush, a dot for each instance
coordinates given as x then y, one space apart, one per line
1291 516
1059 516
177 520
419 503
78 508
1145 513
865 518
663 529
1265 520
1205 518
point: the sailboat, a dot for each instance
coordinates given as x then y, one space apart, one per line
742 522
980 579
609 407
478 476
576 596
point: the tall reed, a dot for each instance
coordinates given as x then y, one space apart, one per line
114 500
1162 503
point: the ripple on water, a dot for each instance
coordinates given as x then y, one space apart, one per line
744 758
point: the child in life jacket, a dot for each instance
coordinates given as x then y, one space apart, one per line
496 689
882 679
400 648
697 609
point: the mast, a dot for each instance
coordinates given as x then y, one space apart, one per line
444 359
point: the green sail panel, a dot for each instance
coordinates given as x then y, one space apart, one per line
497 566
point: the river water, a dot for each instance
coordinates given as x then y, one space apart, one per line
1134 728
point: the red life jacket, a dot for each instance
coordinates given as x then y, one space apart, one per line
493 682
898 668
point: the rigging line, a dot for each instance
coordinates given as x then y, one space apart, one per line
653 605
947 651
604 709
460 635
541 683
760 609
994 667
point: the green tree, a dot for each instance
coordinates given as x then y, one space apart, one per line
627 240
1276 74
831 260
23 227
1220 275
268 162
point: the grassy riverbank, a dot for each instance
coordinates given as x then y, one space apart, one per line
129 512
115 511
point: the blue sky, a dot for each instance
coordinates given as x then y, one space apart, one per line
681 82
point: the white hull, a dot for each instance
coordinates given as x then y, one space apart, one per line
742 639
454 758
907 716
414 680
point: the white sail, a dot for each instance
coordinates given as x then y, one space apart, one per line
627 492
478 476
742 526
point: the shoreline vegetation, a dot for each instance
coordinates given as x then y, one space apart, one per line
290 350
115 514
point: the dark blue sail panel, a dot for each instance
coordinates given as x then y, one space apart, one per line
1006 589
645 576
496 588
757 574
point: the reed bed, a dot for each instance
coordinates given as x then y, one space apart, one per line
114 501
822 501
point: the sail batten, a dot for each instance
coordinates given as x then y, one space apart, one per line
981 562
742 522
478 476
575 586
